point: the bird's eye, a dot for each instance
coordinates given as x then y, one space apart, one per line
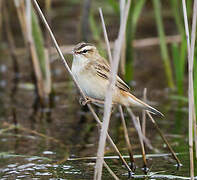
84 51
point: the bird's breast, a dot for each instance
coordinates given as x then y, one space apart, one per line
92 85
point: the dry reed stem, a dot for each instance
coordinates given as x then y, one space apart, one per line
146 140
142 145
32 47
127 139
195 135
105 36
138 43
47 80
142 138
123 59
123 52
1 20
190 48
74 80
20 9
48 6
28 20
193 39
164 139
144 113
108 96
154 41
110 171
110 60
10 37
24 16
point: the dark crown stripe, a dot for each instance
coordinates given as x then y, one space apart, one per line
82 45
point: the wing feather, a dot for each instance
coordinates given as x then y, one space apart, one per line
103 70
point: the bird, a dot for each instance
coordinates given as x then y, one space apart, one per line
92 73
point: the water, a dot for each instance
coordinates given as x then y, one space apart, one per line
47 141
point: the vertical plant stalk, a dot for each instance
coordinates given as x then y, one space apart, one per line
42 54
105 36
123 53
123 59
142 146
48 5
193 39
134 15
15 60
164 139
146 140
163 46
110 59
47 79
144 113
11 40
24 15
108 96
190 49
132 161
74 80
195 135
85 27
1 20
179 52
95 30
30 41
142 138
20 9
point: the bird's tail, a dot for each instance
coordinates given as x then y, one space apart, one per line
135 102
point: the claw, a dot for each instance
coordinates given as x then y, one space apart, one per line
84 102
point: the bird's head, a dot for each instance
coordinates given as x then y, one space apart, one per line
85 50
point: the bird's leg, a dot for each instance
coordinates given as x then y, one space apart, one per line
96 100
90 100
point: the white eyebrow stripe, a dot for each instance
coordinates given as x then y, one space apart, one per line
87 48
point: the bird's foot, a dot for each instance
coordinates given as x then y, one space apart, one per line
84 102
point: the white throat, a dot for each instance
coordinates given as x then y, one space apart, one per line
78 64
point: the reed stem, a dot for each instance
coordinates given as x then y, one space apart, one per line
108 96
190 49
163 46
132 161
144 113
145 168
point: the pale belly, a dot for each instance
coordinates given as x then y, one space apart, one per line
92 87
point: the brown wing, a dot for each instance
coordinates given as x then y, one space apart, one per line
103 70
122 85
